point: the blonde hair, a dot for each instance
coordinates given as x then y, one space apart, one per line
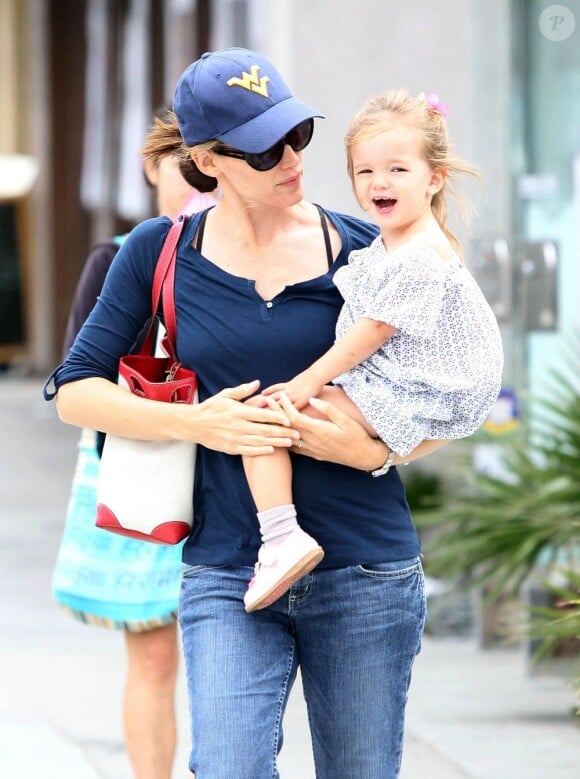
165 138
377 115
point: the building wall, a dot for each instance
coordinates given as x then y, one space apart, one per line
49 104
8 81
337 56
21 178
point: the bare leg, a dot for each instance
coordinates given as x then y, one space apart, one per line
149 705
287 553
270 476
270 479
340 399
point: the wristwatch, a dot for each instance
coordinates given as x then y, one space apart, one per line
385 467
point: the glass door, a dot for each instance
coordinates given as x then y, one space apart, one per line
546 189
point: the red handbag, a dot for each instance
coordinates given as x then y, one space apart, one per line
145 488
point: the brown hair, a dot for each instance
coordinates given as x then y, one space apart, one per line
164 138
377 115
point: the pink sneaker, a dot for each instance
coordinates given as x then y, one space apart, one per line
279 566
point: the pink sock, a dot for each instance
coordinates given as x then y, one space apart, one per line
276 523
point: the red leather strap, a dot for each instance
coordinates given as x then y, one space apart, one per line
163 289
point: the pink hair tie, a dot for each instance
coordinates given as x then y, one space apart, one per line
432 101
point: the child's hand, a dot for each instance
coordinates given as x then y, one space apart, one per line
298 390
263 401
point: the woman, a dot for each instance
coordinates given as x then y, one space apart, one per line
255 305
134 587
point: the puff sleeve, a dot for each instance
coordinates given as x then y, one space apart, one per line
407 290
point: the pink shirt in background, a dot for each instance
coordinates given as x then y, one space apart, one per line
198 201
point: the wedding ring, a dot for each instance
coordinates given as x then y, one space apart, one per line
300 442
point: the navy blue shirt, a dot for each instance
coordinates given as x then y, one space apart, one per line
230 335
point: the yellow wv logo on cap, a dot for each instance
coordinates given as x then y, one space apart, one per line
251 82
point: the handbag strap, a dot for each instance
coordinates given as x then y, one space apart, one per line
163 289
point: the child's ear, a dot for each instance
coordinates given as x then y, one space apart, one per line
438 177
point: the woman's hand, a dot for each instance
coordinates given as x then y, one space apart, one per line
333 436
223 422
226 424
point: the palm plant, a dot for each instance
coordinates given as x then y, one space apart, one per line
498 531
559 625
562 621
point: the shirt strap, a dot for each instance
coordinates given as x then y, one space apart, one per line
327 244
200 231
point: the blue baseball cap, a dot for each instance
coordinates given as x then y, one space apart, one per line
238 97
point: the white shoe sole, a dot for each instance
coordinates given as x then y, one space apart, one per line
300 569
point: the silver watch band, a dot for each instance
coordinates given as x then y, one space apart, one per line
385 467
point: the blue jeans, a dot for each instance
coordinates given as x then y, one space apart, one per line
353 631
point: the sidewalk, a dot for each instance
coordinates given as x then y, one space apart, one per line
471 714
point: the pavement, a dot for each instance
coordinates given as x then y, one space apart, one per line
472 713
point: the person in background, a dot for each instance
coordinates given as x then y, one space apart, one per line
174 195
149 618
256 305
418 353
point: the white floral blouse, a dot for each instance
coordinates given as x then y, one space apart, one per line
440 374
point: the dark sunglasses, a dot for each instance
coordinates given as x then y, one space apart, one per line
298 138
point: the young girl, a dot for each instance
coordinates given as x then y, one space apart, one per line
418 353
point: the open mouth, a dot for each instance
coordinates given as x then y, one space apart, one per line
384 203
